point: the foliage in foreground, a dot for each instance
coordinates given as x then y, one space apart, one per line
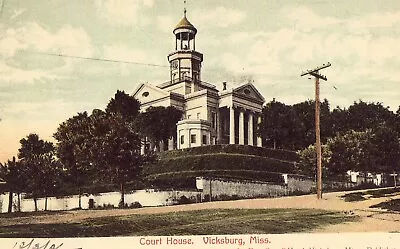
219 162
222 221
360 196
285 155
392 205
376 151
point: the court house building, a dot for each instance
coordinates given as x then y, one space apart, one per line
210 115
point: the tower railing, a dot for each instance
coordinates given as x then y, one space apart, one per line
186 79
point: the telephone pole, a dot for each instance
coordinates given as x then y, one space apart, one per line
315 72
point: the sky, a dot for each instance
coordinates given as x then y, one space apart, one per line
266 42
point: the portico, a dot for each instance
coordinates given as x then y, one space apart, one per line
242 126
241 108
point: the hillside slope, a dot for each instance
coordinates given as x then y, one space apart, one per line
178 168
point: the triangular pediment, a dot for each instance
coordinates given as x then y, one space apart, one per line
249 91
146 93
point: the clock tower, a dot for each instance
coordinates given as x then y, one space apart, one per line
185 61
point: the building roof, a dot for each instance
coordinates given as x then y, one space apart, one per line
185 24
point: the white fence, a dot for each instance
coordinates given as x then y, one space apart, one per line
147 198
217 188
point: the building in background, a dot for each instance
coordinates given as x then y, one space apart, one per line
210 116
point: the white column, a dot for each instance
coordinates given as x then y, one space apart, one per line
171 143
219 127
232 126
259 140
250 130
241 127
161 146
142 149
189 140
178 142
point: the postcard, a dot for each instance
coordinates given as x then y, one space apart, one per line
199 124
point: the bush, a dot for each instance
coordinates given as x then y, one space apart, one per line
105 206
219 162
186 179
232 149
353 197
391 205
135 204
184 200
225 197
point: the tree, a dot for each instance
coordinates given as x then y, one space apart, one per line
386 149
340 120
352 151
363 115
127 106
278 124
10 172
73 149
308 161
158 124
304 134
37 158
104 146
355 150
116 154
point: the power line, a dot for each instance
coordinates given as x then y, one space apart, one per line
92 58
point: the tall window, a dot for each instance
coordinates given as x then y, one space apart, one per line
204 139
213 120
193 138
182 139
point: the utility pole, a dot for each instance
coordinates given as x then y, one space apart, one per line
315 72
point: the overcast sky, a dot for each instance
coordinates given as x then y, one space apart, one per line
269 42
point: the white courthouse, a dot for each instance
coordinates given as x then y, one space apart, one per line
210 115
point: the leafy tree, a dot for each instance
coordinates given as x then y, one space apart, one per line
340 120
278 124
159 123
352 151
37 158
305 123
104 146
386 149
367 151
73 149
116 154
10 172
127 106
308 161
363 115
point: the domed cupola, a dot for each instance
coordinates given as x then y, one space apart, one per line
185 61
185 34
184 24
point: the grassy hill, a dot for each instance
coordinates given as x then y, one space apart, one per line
178 168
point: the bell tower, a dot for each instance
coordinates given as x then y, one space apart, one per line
185 61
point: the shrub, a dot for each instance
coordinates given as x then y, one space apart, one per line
353 197
105 206
219 162
391 205
135 204
184 200
232 149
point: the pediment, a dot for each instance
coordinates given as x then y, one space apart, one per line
147 93
249 91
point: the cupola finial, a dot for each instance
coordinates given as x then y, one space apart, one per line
184 8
